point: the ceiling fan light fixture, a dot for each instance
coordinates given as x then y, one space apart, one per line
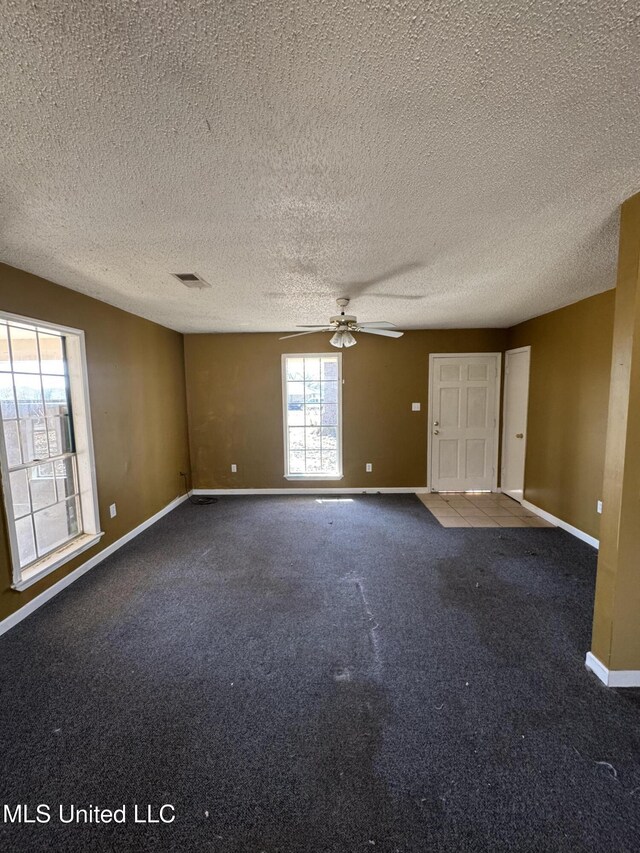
342 338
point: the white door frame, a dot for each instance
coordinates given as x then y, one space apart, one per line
498 396
504 409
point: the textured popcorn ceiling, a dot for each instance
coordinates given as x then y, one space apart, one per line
442 163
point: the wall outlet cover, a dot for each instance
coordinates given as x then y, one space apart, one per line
369 467
415 407
234 469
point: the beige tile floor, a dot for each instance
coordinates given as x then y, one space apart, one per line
466 509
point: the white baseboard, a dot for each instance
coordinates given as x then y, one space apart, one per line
612 677
579 534
496 491
67 580
368 490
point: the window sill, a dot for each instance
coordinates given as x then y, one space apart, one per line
326 477
53 561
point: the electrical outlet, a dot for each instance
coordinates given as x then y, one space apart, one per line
599 506
234 469
113 511
415 407
369 467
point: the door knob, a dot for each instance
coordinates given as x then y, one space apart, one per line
436 423
436 432
519 435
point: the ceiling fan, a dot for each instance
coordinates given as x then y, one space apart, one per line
343 325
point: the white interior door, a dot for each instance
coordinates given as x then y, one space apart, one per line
463 421
514 434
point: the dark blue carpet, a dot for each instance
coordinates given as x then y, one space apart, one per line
300 676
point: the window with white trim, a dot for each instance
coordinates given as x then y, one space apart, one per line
312 396
48 472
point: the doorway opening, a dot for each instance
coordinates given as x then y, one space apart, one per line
514 418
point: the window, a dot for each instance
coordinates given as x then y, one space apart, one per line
48 472
312 392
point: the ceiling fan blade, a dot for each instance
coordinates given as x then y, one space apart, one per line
297 334
378 324
386 332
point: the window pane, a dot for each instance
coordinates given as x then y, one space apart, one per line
19 493
313 438
74 516
296 462
56 525
12 443
330 460
330 415
33 438
24 348
295 369
312 415
329 438
59 430
296 438
295 418
313 462
66 477
329 392
55 395
5 363
26 545
295 396
311 393
312 368
329 368
29 396
42 484
51 353
7 401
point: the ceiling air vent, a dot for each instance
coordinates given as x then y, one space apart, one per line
190 279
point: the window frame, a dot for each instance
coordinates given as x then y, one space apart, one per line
76 363
285 430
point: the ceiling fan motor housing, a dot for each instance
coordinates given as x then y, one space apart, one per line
342 319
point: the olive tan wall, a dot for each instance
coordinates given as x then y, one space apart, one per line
234 397
137 391
568 405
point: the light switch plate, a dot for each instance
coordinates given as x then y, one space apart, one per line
234 469
369 467
415 407
599 507
113 511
